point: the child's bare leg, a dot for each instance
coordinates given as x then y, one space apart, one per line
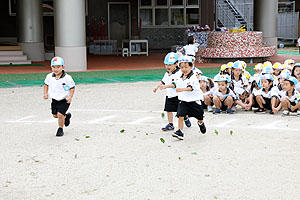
170 117
260 101
207 100
229 102
274 102
61 120
285 104
180 123
217 102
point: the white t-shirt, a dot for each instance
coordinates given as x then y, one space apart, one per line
271 93
294 98
240 83
169 79
229 92
298 86
190 81
59 89
190 49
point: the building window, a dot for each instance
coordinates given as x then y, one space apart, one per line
177 2
177 16
146 2
169 12
192 15
161 2
146 17
161 17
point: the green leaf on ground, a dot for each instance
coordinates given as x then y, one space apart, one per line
147 134
76 156
87 136
194 153
231 132
179 158
162 140
216 132
162 115
122 131
77 139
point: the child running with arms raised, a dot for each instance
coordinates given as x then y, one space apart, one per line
173 73
189 95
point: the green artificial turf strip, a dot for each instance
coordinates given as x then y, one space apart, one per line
36 79
288 53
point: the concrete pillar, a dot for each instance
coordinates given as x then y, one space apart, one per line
265 20
30 28
70 36
207 13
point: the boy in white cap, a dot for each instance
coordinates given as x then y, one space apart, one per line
173 73
223 97
189 95
291 97
60 87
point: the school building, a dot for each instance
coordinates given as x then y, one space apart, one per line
73 29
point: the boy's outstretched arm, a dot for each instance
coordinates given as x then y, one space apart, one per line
158 86
69 98
46 91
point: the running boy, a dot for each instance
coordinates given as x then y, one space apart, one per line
190 96
60 87
173 73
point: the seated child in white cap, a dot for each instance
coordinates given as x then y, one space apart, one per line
223 97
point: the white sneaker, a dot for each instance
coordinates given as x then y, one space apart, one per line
298 113
286 112
209 108
233 108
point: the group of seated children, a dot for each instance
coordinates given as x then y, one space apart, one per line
273 87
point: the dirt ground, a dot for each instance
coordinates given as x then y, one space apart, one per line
96 160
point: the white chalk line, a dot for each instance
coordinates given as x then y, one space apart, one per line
225 123
23 118
246 114
208 125
141 120
102 119
128 111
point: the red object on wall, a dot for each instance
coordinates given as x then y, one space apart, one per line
140 32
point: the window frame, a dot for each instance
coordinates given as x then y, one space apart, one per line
169 7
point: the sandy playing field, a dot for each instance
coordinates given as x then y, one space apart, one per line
94 160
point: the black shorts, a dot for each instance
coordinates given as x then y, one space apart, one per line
292 104
255 104
192 109
203 105
268 104
59 106
171 104
223 105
